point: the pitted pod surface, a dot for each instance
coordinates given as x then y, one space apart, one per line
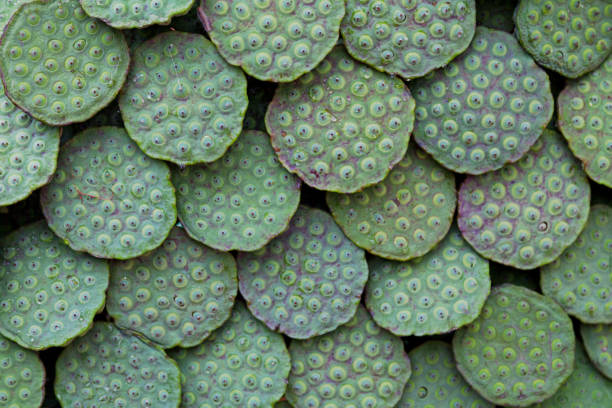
23 376
136 13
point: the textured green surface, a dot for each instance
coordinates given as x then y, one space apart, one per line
598 343
585 119
580 280
435 381
570 37
242 364
525 214
110 368
7 8
60 65
496 14
403 216
519 350
485 108
436 293
273 40
182 101
240 201
308 280
107 197
50 293
408 37
135 13
23 376
343 126
357 365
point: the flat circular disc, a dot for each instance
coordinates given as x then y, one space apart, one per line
597 340
60 65
135 13
23 376
526 213
107 197
486 108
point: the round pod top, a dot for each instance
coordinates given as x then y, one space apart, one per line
107 197
274 41
567 36
50 292
306 281
598 343
580 280
519 350
343 126
7 8
242 364
240 201
526 213
485 108
60 65
496 14
408 38
182 101
23 376
111 368
136 13
403 216
357 365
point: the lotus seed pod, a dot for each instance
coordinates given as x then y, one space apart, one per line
496 14
135 13
567 36
501 274
585 119
357 365
60 65
519 350
260 95
598 343
436 293
435 381
7 8
580 280
107 197
408 38
403 216
343 126
274 41
240 201
484 109
526 213
50 292
308 280
28 152
242 364
183 103
23 376
109 368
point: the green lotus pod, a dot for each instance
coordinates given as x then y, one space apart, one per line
436 293
135 13
526 213
408 38
585 119
109 368
260 95
496 14
60 65
580 280
306 281
519 350
107 197
182 102
567 36
242 364
501 274
240 201
484 109
435 381
274 41
50 292
23 376
357 365
597 341
343 126
403 216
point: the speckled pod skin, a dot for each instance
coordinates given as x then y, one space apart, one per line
274 41
357 365
408 38
526 213
135 13
7 8
50 293
242 364
597 340
571 37
343 126
60 65
496 14
23 376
